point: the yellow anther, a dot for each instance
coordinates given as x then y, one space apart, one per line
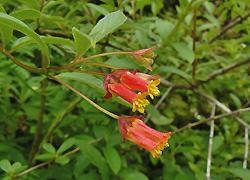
140 103
153 89
157 151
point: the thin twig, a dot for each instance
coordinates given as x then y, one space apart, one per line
211 76
50 161
80 60
190 125
210 144
229 26
226 69
18 63
195 62
163 97
32 169
223 107
181 19
246 148
85 97
60 118
38 134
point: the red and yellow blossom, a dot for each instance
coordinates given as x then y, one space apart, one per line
135 130
145 57
141 82
136 82
138 100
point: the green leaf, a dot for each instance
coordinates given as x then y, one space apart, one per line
235 100
26 14
96 158
240 172
217 143
17 167
136 176
34 4
49 148
82 41
98 8
113 159
66 145
6 166
174 70
11 22
106 26
157 117
184 51
87 79
45 157
6 32
24 41
2 9
62 160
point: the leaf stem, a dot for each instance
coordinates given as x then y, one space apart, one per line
85 97
80 60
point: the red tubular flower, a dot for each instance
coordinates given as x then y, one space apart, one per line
141 82
136 131
135 81
138 101
144 57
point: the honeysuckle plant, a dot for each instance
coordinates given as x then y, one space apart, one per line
104 49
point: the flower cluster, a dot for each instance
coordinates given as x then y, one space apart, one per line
135 87
132 86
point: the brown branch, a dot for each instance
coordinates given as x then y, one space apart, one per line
211 76
229 26
50 161
18 63
210 144
60 118
190 125
222 107
246 149
195 62
53 33
32 169
38 134
226 69
181 19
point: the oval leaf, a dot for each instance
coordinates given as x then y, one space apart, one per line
26 14
5 165
66 145
95 157
113 159
14 23
82 41
49 148
106 26
87 79
158 118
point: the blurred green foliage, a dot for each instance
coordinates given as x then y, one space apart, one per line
75 140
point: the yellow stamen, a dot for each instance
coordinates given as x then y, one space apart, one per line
140 103
157 151
152 88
